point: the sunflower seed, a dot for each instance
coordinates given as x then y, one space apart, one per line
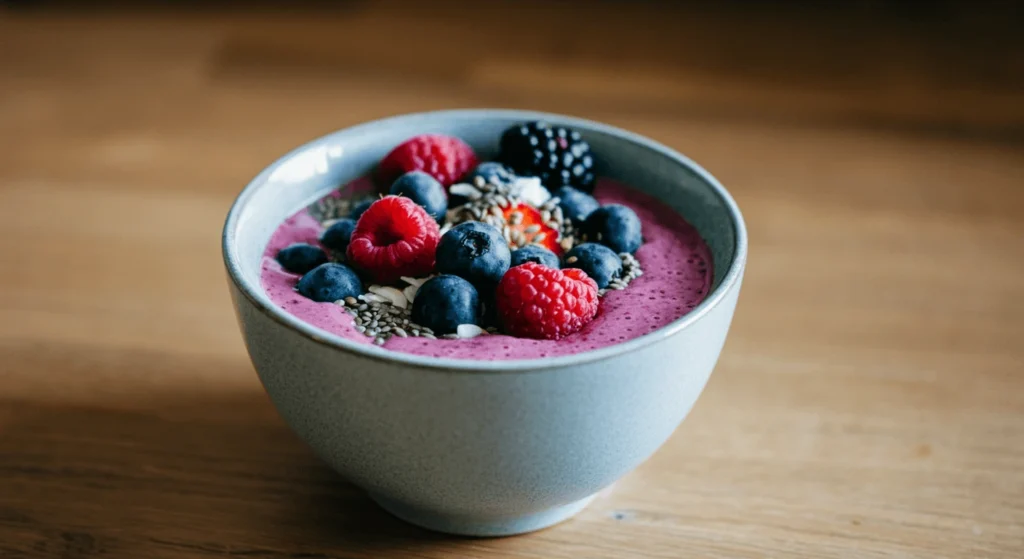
427 336
571 260
351 301
532 229
545 216
360 329
539 237
415 332
379 341
401 333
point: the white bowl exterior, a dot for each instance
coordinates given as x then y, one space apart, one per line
488 443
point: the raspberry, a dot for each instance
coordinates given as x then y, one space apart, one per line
540 233
539 302
446 158
394 237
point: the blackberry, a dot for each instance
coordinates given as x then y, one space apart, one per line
556 154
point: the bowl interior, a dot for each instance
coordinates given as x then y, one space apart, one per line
313 170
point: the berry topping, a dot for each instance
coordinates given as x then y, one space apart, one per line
576 205
526 226
444 302
446 158
535 301
536 254
598 261
394 238
556 154
359 209
474 251
425 191
615 226
330 282
300 258
491 172
336 236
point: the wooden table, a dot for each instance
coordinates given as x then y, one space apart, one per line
870 399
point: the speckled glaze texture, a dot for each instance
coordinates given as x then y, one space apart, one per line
476 447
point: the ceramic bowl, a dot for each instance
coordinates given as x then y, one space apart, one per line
474 447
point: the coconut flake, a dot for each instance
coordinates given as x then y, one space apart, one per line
372 298
465 189
410 292
530 190
391 295
468 331
415 281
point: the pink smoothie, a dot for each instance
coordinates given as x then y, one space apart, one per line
677 276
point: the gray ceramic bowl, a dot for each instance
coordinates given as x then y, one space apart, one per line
479 447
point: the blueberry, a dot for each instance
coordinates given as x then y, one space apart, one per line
615 226
488 308
534 253
492 172
300 258
336 236
359 209
444 302
598 261
474 251
576 205
425 191
330 282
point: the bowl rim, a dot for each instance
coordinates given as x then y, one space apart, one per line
256 296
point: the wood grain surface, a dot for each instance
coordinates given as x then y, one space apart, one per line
869 401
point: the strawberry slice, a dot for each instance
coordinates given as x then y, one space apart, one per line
527 227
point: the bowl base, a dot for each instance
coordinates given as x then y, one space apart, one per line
484 527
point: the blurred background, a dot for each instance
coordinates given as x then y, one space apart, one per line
876 148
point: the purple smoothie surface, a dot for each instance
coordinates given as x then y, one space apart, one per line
677 276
